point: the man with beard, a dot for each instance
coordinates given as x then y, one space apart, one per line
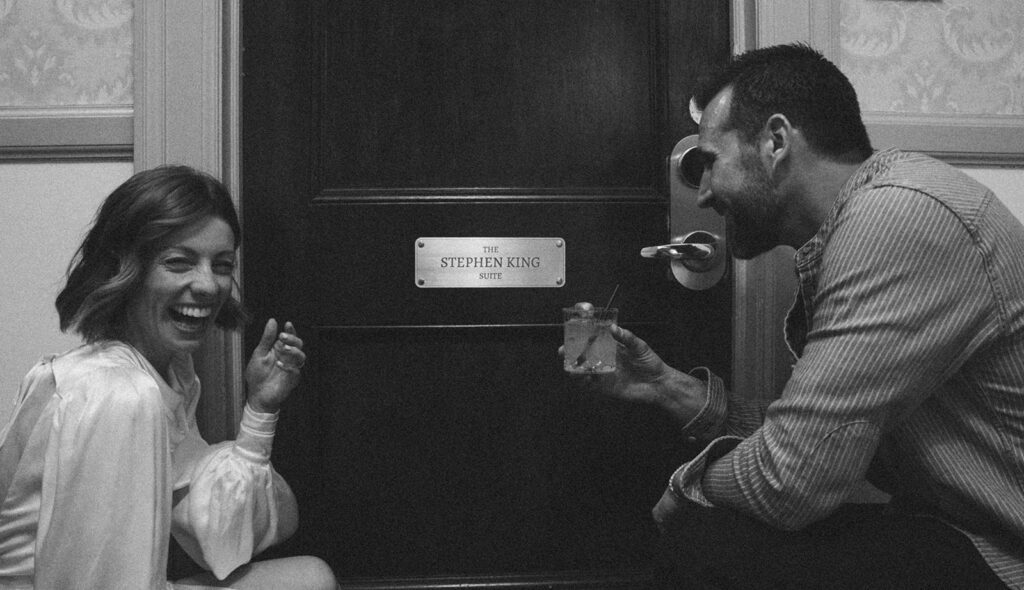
908 333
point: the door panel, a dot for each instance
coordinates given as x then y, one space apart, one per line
452 94
434 433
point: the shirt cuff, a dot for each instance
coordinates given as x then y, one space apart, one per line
686 482
710 421
256 434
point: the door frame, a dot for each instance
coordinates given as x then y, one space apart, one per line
188 57
187 69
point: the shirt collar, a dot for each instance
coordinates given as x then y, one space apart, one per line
868 170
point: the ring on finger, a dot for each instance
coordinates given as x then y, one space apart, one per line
288 367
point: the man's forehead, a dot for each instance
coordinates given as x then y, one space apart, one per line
715 113
717 109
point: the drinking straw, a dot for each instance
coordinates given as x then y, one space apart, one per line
582 358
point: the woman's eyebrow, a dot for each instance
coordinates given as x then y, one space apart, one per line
192 252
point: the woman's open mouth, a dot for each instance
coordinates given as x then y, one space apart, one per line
191 318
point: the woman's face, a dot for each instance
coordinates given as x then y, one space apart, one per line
186 284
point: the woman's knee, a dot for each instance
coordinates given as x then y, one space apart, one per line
316 574
323 573
304 572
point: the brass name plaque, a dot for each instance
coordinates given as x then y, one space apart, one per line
462 263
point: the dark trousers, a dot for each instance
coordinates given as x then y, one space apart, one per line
860 547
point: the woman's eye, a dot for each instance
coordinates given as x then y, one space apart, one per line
224 267
178 264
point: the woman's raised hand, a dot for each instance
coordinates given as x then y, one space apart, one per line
275 367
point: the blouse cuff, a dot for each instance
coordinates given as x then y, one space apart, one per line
709 422
256 434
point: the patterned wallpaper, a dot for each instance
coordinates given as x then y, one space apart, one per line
930 56
913 56
65 53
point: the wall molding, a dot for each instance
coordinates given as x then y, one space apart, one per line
763 288
66 133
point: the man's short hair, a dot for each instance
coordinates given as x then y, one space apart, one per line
796 81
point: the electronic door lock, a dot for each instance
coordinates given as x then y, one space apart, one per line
697 250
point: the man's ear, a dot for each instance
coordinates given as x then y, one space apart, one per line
779 136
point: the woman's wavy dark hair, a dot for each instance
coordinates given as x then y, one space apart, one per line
132 224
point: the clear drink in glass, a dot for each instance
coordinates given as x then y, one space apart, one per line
589 346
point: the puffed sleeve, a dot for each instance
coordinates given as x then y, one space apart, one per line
236 504
104 515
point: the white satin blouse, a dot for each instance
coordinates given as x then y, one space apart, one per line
102 462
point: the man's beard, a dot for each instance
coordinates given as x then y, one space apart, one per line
753 218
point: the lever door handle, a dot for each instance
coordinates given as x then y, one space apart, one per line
679 251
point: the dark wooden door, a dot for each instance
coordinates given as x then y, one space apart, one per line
435 436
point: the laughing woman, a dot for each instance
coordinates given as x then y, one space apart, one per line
102 462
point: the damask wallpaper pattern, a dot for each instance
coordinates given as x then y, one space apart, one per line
904 56
65 53
935 57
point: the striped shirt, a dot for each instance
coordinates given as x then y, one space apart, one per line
909 335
